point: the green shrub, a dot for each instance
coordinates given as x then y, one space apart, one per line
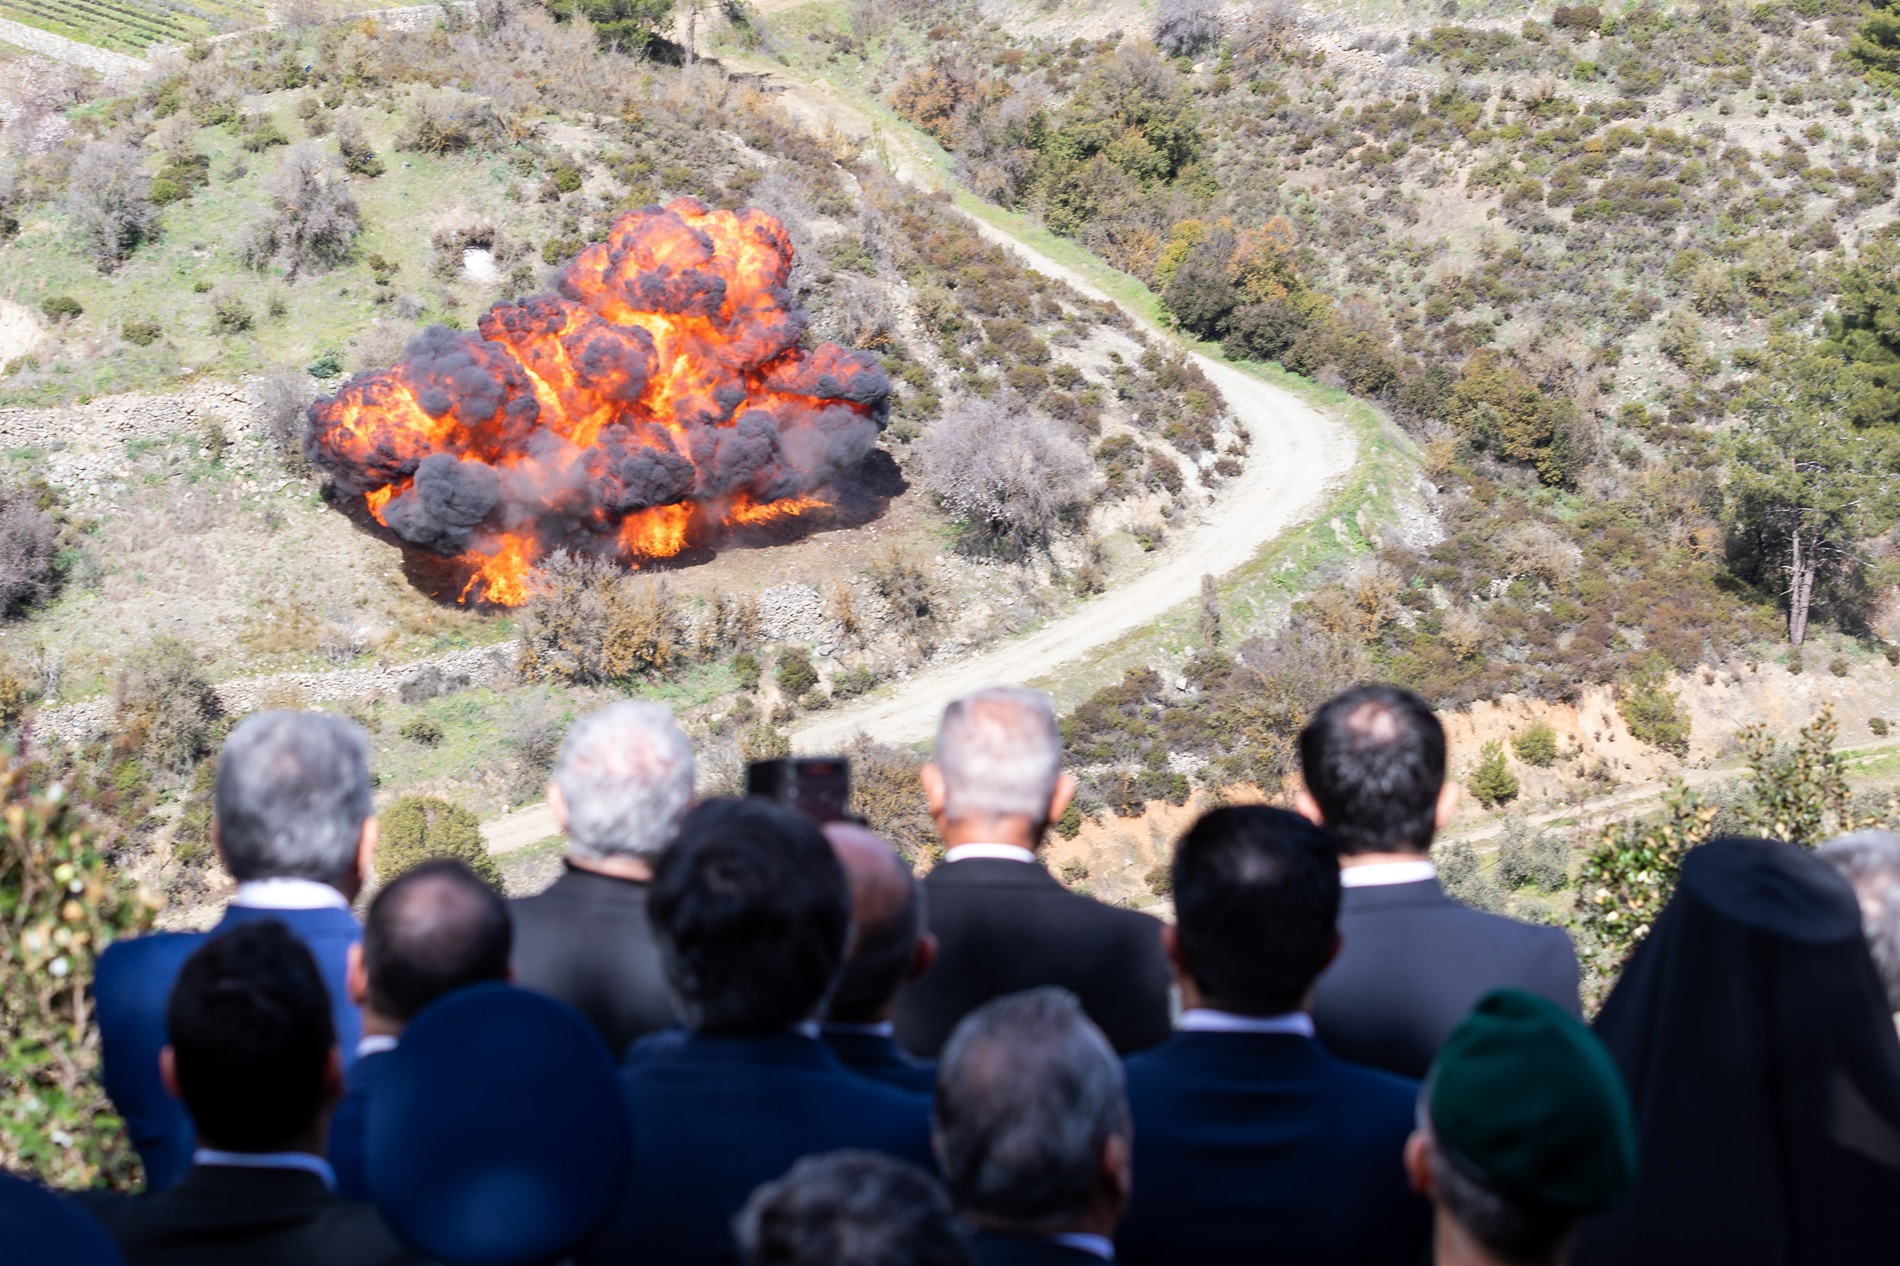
852 682
566 178
325 366
63 903
1653 713
1529 855
745 670
141 333
1461 871
425 730
60 307
231 315
263 134
418 828
1068 826
1879 726
1491 779
1075 870
1838 666
168 711
795 674
1537 745
1160 881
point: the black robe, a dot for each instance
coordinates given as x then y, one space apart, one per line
1764 1071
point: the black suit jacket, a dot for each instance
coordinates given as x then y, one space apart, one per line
1257 1148
587 942
1413 964
993 1248
1005 926
881 1059
225 1216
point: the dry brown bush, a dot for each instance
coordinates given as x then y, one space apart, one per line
589 622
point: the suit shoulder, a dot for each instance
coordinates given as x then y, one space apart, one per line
355 1232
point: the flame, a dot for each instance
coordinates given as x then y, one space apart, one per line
656 533
660 395
503 575
746 512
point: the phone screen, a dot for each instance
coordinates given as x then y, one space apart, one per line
817 786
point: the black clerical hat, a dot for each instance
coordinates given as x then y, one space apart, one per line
496 1136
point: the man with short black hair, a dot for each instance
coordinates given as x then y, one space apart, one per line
1253 1143
293 827
253 1057
753 918
1524 1130
434 929
851 1209
621 785
1414 960
1003 922
1032 1130
891 948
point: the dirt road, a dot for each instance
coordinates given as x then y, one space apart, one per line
1298 455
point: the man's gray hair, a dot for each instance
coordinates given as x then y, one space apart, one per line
292 795
1028 1094
1000 754
626 773
1871 862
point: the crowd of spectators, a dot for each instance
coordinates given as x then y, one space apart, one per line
730 1034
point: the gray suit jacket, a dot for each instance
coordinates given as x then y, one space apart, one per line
587 942
1413 964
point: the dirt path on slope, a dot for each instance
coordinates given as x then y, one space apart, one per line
1298 456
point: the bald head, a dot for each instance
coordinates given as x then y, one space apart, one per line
434 929
999 755
887 910
1374 762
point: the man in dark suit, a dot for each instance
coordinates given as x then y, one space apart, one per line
293 827
253 1056
890 948
1003 922
1032 1128
753 917
436 928
623 781
41 1229
852 1209
1253 1143
1414 961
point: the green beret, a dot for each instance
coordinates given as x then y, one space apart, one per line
1524 1094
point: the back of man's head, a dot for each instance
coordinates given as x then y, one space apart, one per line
999 752
1256 898
851 1209
887 909
1870 860
1374 762
292 795
434 929
752 914
249 1022
626 775
1029 1093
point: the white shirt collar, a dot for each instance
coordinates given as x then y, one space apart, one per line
288 894
375 1044
1100 1245
994 852
886 1029
1379 874
267 1160
1208 1020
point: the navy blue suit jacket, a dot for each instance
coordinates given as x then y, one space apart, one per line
881 1059
131 989
1412 964
1256 1148
349 1123
715 1117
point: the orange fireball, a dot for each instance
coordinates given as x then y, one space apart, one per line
661 393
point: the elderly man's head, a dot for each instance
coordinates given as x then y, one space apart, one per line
997 770
622 783
1032 1126
293 800
1870 860
887 904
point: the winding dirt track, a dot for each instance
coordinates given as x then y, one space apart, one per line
1297 455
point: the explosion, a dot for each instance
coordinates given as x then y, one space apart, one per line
660 396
